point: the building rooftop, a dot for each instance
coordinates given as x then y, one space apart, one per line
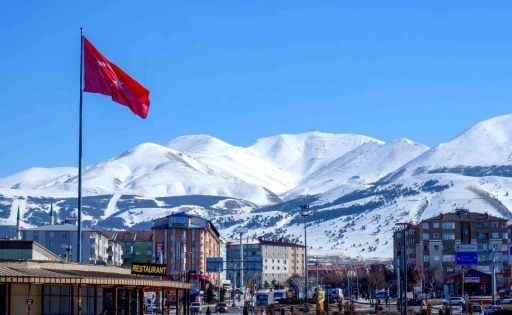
58 227
130 236
263 242
72 273
466 215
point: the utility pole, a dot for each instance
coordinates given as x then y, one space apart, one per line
305 213
493 276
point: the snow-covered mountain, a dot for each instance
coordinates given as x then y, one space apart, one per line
357 186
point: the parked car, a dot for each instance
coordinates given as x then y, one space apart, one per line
457 300
221 308
492 308
196 307
506 300
416 305
477 308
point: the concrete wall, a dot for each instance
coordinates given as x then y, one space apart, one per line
19 295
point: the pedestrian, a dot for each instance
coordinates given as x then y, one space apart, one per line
208 311
386 299
282 311
292 309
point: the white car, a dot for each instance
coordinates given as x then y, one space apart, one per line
507 300
196 307
455 301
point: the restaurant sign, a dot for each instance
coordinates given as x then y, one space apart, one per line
149 269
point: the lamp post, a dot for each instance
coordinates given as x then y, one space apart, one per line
404 227
305 213
493 279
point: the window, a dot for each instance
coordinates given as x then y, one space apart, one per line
481 226
412 231
435 225
495 246
51 246
504 225
448 258
505 236
495 225
436 258
64 235
411 251
435 236
495 235
481 236
411 241
504 247
426 258
149 244
481 247
426 236
448 236
436 247
448 247
425 225
127 251
398 235
51 234
137 244
448 225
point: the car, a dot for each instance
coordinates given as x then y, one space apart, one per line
457 300
477 308
196 307
492 308
506 300
221 308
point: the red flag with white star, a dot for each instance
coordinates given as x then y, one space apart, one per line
104 77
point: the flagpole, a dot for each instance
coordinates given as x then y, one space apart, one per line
79 236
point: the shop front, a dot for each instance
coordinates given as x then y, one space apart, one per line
54 288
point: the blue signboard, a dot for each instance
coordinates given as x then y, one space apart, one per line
466 258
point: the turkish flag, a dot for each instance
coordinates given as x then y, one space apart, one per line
104 77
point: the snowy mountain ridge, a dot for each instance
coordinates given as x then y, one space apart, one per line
357 186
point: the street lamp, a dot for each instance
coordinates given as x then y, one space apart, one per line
305 213
404 227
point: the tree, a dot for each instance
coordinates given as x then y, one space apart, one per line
266 285
376 279
335 279
436 277
413 277
209 293
274 283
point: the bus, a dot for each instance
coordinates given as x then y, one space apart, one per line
264 298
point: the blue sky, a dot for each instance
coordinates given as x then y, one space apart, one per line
241 70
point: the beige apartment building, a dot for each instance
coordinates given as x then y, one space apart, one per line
183 242
281 260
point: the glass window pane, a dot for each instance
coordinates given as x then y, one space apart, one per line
55 290
65 291
55 304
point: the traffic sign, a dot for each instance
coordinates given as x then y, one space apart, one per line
214 264
466 258
30 301
466 248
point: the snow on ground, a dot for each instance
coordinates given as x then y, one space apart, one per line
111 207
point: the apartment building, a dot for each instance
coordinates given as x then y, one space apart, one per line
138 245
281 260
61 239
183 242
433 243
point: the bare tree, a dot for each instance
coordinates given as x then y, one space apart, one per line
436 277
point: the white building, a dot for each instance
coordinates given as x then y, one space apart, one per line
61 239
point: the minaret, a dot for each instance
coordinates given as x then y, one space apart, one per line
18 225
52 218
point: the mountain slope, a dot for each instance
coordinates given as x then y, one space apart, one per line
486 144
235 161
302 154
35 178
363 165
